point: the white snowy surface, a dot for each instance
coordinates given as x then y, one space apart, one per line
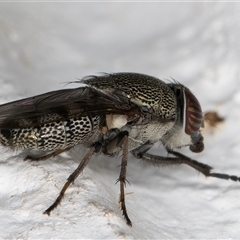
43 45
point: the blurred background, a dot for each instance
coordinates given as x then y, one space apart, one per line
44 45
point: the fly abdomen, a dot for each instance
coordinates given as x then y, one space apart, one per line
19 138
53 136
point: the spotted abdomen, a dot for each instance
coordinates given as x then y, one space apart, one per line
53 136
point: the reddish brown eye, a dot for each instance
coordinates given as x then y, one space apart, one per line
193 113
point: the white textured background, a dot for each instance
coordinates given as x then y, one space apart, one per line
45 44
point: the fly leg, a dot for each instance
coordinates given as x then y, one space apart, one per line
53 154
161 161
181 159
122 177
138 152
118 143
141 153
73 176
203 168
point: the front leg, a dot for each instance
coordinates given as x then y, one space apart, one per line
182 159
138 152
203 168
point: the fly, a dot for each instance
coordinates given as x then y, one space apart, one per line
110 114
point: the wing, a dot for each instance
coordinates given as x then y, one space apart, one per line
62 105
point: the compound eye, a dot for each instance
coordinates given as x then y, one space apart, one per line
193 113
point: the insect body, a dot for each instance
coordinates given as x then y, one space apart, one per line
112 113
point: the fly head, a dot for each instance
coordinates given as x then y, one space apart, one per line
186 130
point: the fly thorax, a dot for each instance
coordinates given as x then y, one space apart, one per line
138 135
145 91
